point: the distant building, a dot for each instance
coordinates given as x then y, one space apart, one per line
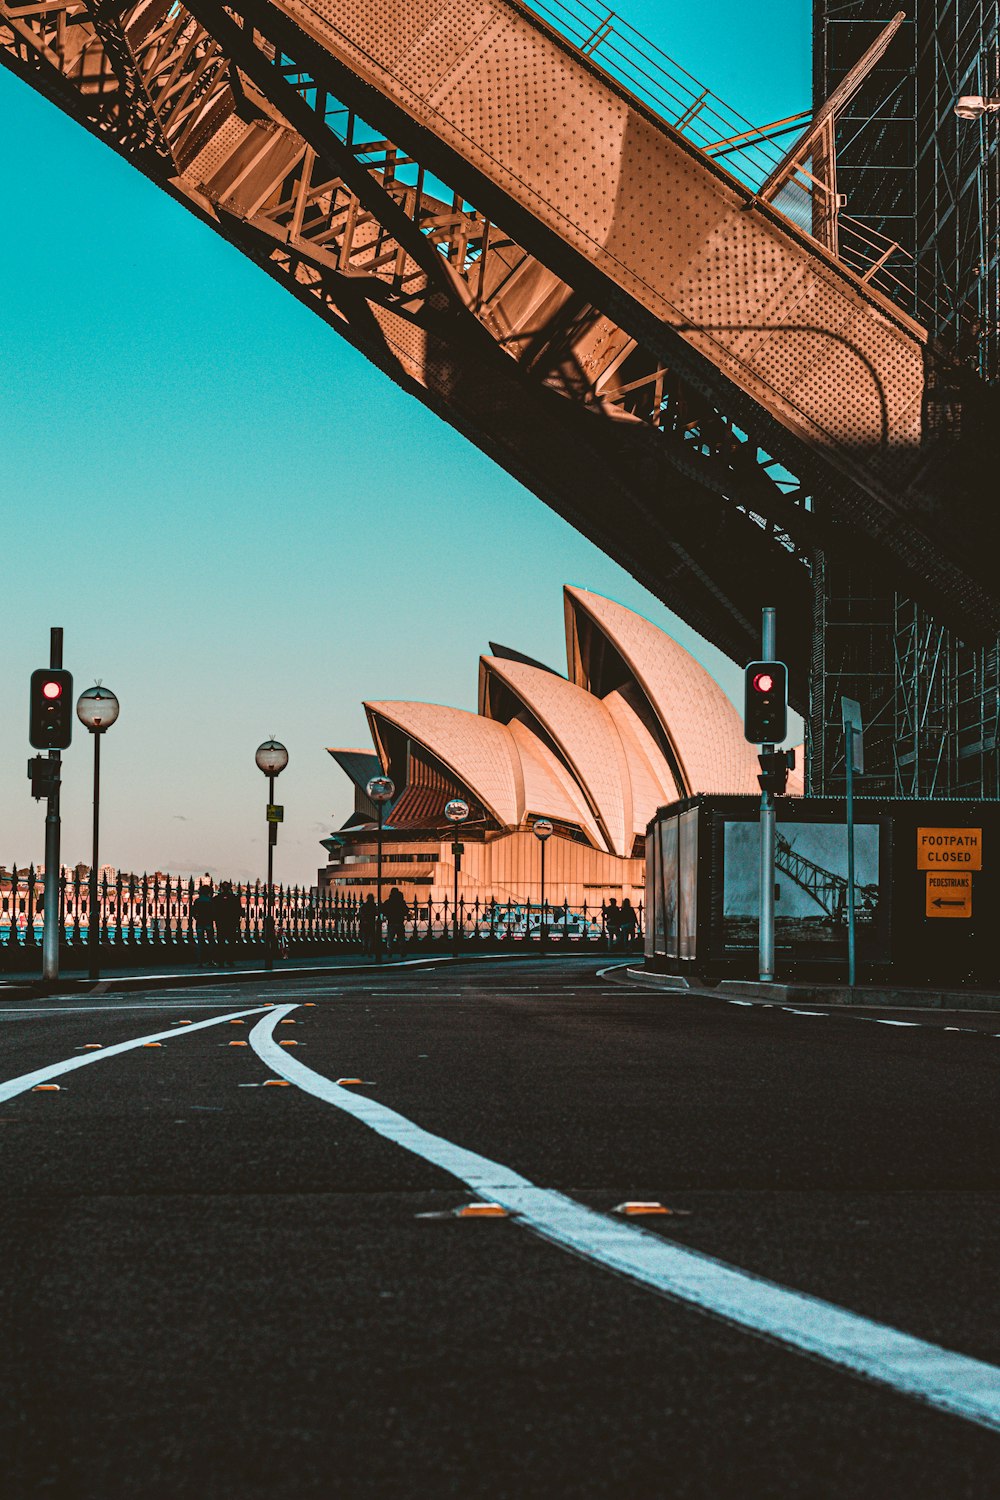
635 723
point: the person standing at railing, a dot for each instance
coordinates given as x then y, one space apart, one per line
228 911
395 911
203 911
627 923
368 917
612 923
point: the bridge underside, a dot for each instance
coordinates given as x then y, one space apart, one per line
710 460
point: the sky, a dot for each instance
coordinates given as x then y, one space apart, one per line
243 528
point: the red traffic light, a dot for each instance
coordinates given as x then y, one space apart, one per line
50 719
764 705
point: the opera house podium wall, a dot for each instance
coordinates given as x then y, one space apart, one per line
635 723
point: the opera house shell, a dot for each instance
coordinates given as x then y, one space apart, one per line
636 723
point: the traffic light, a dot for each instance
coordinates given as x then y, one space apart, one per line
765 714
775 766
51 722
44 775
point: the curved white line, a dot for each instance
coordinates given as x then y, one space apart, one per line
955 1383
26 1081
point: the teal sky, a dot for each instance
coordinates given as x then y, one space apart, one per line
243 528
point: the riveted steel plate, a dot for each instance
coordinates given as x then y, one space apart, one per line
689 245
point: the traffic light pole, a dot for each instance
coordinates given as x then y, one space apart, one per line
50 928
768 817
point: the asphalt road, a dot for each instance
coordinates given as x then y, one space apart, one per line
216 1281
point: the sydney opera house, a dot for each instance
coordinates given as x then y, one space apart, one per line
635 723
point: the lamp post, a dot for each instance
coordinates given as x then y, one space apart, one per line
456 811
381 790
271 758
542 829
97 709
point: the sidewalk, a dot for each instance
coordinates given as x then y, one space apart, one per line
878 996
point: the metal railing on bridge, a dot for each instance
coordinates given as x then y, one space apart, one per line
150 918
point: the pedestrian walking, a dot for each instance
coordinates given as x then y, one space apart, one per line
368 919
203 912
228 913
395 911
612 921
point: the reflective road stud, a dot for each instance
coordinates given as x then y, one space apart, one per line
45 1088
632 1207
482 1211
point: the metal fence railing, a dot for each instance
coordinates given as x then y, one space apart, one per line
147 918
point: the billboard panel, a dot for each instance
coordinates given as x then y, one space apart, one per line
810 909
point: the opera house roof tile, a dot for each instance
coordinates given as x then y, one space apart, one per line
636 724
586 739
702 727
479 753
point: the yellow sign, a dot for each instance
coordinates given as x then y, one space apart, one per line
949 848
275 812
949 895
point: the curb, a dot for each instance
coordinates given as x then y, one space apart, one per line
874 997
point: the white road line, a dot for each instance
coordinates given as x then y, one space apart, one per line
789 1011
26 1081
877 1022
109 1010
966 1387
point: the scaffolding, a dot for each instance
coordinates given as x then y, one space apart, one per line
929 182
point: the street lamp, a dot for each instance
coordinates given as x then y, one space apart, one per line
381 790
974 106
97 708
456 811
542 830
271 758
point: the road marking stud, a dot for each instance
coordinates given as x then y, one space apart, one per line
342 1081
239 1044
286 1023
237 1023
93 1046
152 1044
45 1088
482 1211
288 1044
276 1083
632 1207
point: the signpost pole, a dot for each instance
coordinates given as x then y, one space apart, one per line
850 713
768 817
850 855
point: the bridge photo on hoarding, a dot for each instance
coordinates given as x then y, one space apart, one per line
810 886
